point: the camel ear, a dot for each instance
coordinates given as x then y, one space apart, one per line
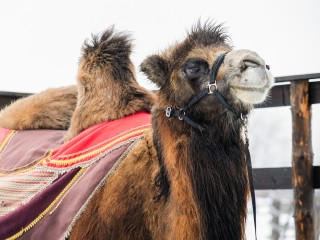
156 68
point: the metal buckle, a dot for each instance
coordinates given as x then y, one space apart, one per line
182 113
244 117
211 85
168 112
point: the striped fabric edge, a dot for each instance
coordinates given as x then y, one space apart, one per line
36 220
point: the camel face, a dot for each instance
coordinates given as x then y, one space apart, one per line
184 69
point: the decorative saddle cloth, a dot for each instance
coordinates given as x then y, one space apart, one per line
45 185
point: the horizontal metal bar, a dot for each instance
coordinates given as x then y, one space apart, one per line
8 97
280 95
279 178
14 94
297 77
272 178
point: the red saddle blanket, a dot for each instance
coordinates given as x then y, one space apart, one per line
45 185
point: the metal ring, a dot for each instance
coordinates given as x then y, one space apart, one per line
243 117
210 85
182 113
168 111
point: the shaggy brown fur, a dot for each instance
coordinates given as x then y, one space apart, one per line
107 86
50 109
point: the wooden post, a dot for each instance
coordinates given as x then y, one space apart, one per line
302 159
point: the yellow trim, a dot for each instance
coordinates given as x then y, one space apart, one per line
62 162
13 172
5 140
70 155
94 152
35 221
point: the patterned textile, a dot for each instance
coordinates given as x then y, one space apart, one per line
45 185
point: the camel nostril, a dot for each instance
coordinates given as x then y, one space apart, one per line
248 63
268 67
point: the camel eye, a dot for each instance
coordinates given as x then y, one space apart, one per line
192 70
195 69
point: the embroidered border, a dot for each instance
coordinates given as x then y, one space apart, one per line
35 221
70 155
100 185
23 169
61 163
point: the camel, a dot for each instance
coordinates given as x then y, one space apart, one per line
186 178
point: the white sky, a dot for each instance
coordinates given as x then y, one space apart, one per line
41 40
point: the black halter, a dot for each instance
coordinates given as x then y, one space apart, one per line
212 88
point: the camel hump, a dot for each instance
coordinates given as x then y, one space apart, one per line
108 53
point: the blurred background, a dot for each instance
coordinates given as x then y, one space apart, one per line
41 41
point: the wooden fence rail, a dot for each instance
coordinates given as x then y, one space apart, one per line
299 92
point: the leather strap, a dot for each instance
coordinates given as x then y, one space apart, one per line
253 197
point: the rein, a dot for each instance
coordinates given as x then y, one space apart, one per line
210 89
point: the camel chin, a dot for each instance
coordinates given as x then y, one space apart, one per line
250 95
253 88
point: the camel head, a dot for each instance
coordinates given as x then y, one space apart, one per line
183 70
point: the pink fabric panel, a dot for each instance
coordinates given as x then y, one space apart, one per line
29 145
54 225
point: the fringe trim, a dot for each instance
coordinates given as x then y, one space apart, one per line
122 134
88 163
64 162
101 184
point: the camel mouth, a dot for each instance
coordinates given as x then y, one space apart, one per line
250 95
253 84
251 89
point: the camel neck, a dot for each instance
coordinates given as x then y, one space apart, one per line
206 173
219 180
